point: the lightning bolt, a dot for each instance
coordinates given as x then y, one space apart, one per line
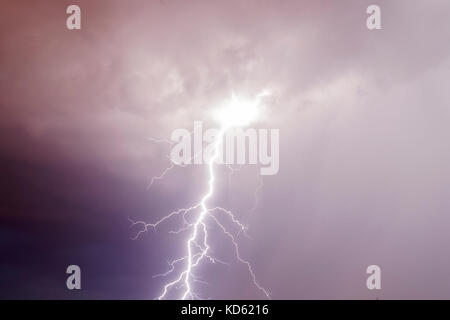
197 219
197 246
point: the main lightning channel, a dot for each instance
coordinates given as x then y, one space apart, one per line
197 245
203 212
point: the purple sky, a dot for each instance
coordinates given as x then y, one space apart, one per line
364 154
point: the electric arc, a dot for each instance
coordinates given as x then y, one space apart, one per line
237 112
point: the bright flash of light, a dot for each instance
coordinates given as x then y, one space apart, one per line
239 111
236 112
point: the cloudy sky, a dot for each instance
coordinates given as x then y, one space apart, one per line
364 154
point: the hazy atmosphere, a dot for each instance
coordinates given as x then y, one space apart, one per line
364 158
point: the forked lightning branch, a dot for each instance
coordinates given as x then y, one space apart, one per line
232 143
